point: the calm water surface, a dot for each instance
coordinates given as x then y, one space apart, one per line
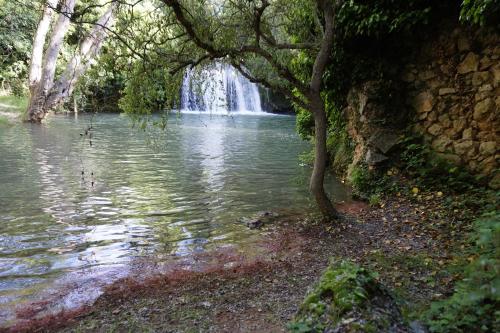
68 206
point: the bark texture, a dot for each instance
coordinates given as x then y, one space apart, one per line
38 43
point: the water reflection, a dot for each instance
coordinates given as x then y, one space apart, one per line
67 206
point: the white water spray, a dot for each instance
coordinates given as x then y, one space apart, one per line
219 88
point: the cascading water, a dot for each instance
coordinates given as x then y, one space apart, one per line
219 88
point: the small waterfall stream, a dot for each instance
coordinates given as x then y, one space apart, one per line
219 88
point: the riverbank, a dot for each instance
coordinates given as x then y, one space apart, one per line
11 108
413 243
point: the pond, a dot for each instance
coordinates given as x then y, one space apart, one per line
82 195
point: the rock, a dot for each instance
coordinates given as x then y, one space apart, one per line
469 64
417 327
373 158
459 125
481 95
444 120
435 129
383 140
485 63
479 77
496 74
482 109
463 44
426 75
467 134
495 181
447 91
254 223
408 77
206 304
441 144
423 102
487 165
485 87
461 148
452 158
488 148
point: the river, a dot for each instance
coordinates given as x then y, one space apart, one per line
76 201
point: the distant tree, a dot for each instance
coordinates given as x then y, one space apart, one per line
45 92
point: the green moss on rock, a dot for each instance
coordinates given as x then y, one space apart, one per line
347 298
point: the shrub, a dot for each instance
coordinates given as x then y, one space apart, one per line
475 304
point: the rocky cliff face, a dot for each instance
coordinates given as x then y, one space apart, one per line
451 87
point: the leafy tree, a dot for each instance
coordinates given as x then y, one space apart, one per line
17 24
264 40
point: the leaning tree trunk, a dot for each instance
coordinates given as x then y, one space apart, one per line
37 107
81 61
317 107
35 73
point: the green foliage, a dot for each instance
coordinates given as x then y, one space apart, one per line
362 18
375 199
343 286
482 12
431 170
475 304
149 89
17 25
371 183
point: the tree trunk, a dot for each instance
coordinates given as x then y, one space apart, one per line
317 107
38 43
316 183
81 61
37 108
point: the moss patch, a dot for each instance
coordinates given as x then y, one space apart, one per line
347 298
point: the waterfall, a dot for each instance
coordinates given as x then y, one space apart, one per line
219 88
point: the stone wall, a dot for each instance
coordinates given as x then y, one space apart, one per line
453 85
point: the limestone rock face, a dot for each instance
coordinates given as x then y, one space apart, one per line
367 106
451 90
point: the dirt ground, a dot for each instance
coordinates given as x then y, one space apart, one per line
408 241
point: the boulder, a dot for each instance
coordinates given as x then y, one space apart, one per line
383 140
373 158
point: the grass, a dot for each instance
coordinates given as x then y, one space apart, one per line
11 107
14 104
